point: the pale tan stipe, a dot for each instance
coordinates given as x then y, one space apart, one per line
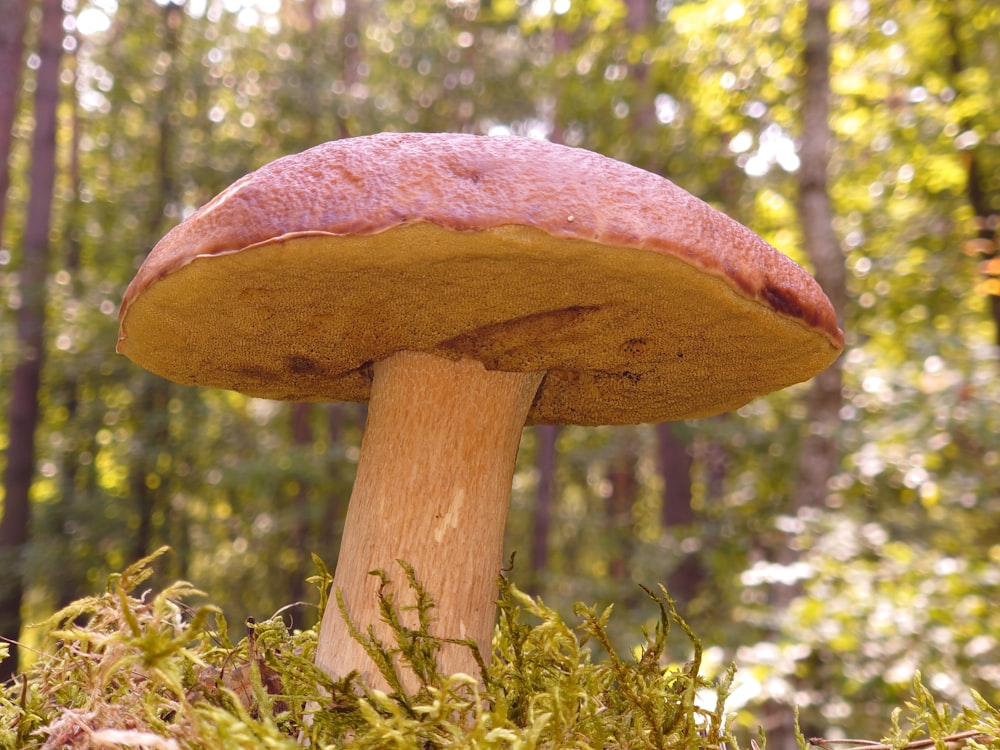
440 442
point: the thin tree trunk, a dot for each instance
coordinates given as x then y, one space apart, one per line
987 230
152 392
545 463
819 455
976 184
675 468
334 510
67 392
144 481
26 379
643 120
624 493
14 15
352 41
674 459
302 438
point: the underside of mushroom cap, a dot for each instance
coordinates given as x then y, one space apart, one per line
640 302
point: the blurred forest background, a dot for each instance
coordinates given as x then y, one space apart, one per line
830 539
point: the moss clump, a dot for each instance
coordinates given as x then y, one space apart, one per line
131 669
128 669
927 725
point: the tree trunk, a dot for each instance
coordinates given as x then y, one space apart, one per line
15 18
66 391
674 459
144 482
545 463
624 493
643 112
153 392
335 507
820 455
977 188
675 468
352 52
23 419
302 438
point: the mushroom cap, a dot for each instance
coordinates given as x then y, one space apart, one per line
640 302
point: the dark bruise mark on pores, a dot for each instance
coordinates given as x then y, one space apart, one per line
301 365
782 301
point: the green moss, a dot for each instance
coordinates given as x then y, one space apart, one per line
131 669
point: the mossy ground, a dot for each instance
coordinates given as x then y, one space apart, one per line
132 669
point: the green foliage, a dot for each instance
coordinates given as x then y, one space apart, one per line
546 670
134 669
926 723
131 669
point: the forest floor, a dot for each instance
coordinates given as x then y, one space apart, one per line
134 669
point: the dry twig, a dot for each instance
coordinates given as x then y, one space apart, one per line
951 742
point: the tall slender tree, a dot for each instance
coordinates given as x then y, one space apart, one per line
623 481
674 460
301 438
26 378
545 464
983 201
152 393
15 18
819 455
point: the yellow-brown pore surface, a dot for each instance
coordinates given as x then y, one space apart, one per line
625 335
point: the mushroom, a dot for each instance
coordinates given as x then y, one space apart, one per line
465 286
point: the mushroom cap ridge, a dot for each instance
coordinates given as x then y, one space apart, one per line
641 302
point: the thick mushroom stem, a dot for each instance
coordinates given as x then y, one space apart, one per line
433 490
